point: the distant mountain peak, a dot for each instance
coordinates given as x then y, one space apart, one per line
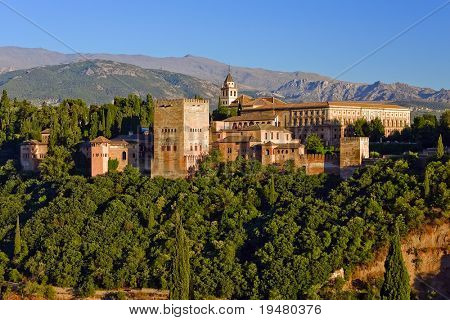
293 86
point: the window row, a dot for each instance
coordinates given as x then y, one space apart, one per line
195 130
166 130
168 148
196 148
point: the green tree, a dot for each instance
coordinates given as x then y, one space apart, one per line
314 144
181 267
57 164
360 128
440 148
376 129
396 278
426 183
113 164
270 192
17 239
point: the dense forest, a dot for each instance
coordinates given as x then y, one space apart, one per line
236 231
251 231
72 120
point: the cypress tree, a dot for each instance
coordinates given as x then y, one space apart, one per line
180 265
17 240
440 148
396 278
272 193
426 183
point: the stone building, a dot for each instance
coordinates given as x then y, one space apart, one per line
180 136
353 150
228 92
132 149
329 120
33 151
264 142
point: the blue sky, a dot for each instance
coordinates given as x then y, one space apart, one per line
317 36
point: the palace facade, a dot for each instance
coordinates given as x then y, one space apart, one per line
267 129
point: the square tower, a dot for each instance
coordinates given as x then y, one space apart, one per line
181 136
228 92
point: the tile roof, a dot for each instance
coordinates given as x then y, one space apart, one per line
101 139
251 117
306 105
229 78
33 142
119 142
288 145
263 127
237 139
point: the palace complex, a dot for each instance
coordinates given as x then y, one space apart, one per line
267 129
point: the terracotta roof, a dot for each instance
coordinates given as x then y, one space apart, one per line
365 104
229 78
251 117
101 139
121 142
288 145
263 127
33 142
237 139
306 105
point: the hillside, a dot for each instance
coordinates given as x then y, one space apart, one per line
99 81
291 86
324 90
427 259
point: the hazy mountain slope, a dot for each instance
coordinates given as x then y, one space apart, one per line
15 58
292 86
99 81
202 68
303 90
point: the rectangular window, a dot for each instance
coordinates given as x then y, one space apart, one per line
163 148
174 148
168 148
266 135
195 148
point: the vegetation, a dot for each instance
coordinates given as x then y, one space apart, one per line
99 81
314 145
251 231
180 265
238 230
396 279
223 112
373 129
425 130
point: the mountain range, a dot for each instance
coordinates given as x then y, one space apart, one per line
40 74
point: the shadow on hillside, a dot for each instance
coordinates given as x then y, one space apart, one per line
435 286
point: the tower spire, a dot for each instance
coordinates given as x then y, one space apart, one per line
229 90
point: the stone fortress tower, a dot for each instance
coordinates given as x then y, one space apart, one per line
181 136
228 92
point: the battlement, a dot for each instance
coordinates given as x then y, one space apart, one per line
353 139
318 157
196 100
164 103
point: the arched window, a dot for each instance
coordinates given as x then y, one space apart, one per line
124 155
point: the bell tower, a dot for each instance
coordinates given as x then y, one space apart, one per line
229 91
